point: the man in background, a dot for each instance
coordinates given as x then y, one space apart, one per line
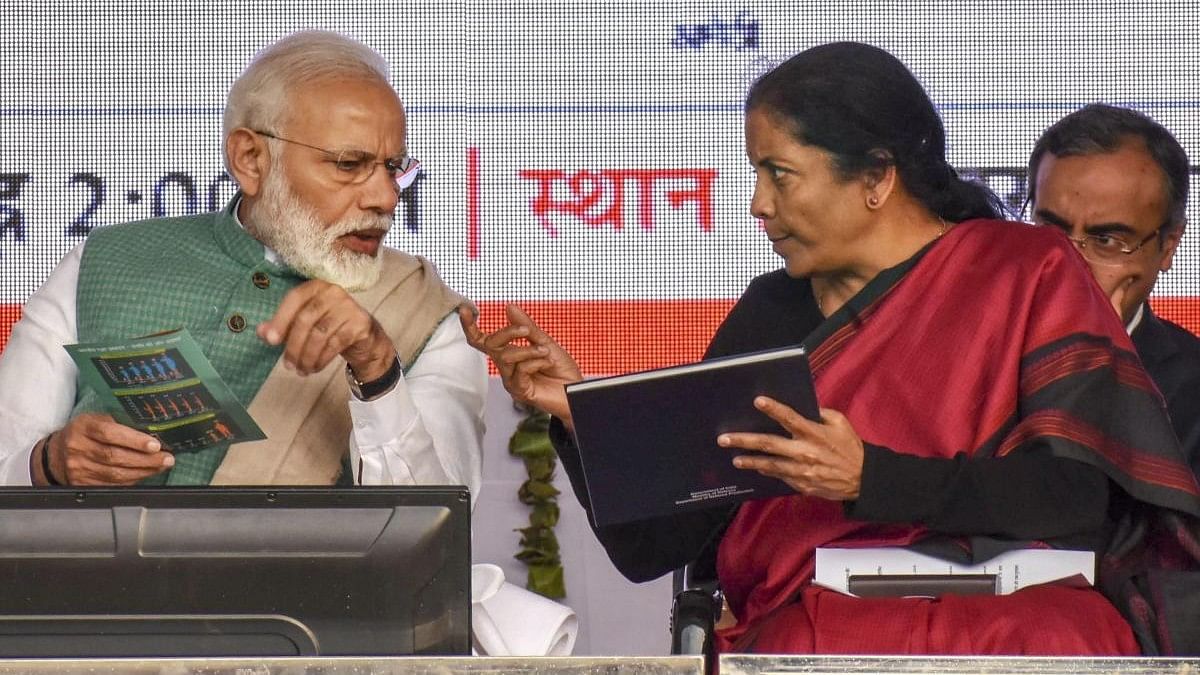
1116 182
349 354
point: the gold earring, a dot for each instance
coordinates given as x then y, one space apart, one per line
872 202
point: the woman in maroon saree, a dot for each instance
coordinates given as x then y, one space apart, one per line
1032 375
980 395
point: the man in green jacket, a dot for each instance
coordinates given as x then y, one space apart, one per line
349 354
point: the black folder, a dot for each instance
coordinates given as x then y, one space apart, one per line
648 440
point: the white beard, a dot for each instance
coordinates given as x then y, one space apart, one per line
288 226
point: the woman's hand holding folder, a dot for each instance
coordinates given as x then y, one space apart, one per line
821 459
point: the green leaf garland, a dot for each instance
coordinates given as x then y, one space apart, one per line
539 546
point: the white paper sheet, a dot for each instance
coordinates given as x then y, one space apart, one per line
507 620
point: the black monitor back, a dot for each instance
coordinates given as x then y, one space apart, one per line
234 572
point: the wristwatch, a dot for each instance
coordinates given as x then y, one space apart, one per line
369 391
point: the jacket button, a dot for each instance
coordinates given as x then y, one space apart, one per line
261 279
237 323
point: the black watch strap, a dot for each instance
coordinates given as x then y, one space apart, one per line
369 391
46 470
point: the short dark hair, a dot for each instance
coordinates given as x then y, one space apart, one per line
1099 128
863 106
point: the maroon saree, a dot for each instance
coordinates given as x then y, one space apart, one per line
993 340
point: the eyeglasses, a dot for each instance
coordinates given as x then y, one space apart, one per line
1109 249
355 167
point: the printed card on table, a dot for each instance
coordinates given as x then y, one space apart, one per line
163 385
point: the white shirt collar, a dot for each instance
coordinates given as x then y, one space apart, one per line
271 256
1137 319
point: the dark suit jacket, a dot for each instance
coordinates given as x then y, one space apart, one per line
1171 354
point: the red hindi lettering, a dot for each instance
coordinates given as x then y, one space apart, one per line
588 189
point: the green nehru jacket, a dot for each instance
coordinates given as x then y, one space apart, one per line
203 273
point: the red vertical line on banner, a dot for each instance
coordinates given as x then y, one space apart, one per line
472 203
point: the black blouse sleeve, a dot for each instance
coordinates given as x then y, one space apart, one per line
1023 496
646 549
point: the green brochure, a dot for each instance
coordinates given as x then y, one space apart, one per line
164 385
